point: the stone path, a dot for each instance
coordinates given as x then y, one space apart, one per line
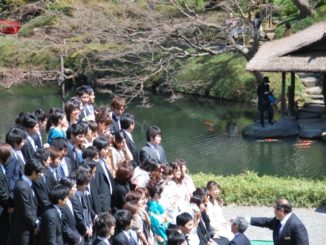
313 219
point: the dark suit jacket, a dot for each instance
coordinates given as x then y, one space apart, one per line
293 232
42 194
50 180
99 242
73 155
5 202
97 207
120 191
148 153
28 150
133 149
103 187
50 228
14 171
25 214
120 239
240 239
69 230
204 230
79 215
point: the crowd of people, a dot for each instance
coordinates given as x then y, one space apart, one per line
89 183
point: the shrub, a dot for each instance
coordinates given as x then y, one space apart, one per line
250 189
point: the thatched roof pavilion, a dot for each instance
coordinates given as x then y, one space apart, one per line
304 51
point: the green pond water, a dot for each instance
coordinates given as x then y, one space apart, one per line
204 132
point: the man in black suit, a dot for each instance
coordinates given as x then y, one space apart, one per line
286 226
118 106
153 151
39 186
5 196
31 125
127 122
15 167
104 225
70 233
238 227
24 218
123 219
50 228
103 177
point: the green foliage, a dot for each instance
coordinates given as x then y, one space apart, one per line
286 7
222 76
40 21
23 53
250 189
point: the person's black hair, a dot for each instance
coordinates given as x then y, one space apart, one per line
90 163
60 143
42 154
93 126
126 120
70 106
183 219
201 191
80 91
90 152
20 117
82 177
29 121
100 143
154 189
59 192
75 130
148 165
103 223
15 136
176 238
152 132
266 79
68 182
171 228
55 115
123 219
89 89
196 199
32 165
118 137
40 114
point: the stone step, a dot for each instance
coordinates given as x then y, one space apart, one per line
318 102
314 96
314 90
310 81
308 74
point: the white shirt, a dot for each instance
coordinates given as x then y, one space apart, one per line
3 169
129 135
284 220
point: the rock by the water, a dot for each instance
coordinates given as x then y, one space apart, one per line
286 127
311 128
314 90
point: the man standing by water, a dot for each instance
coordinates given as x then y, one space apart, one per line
263 102
286 226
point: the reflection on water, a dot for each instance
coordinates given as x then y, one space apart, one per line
206 133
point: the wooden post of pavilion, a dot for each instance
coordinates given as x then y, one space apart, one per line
291 94
283 94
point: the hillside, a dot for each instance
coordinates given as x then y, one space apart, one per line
126 47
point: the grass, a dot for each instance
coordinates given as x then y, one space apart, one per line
250 189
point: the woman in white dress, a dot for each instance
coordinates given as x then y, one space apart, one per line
219 224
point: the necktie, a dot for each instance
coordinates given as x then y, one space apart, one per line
187 239
277 229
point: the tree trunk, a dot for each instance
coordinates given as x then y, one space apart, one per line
304 7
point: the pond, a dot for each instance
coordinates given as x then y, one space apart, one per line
204 132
